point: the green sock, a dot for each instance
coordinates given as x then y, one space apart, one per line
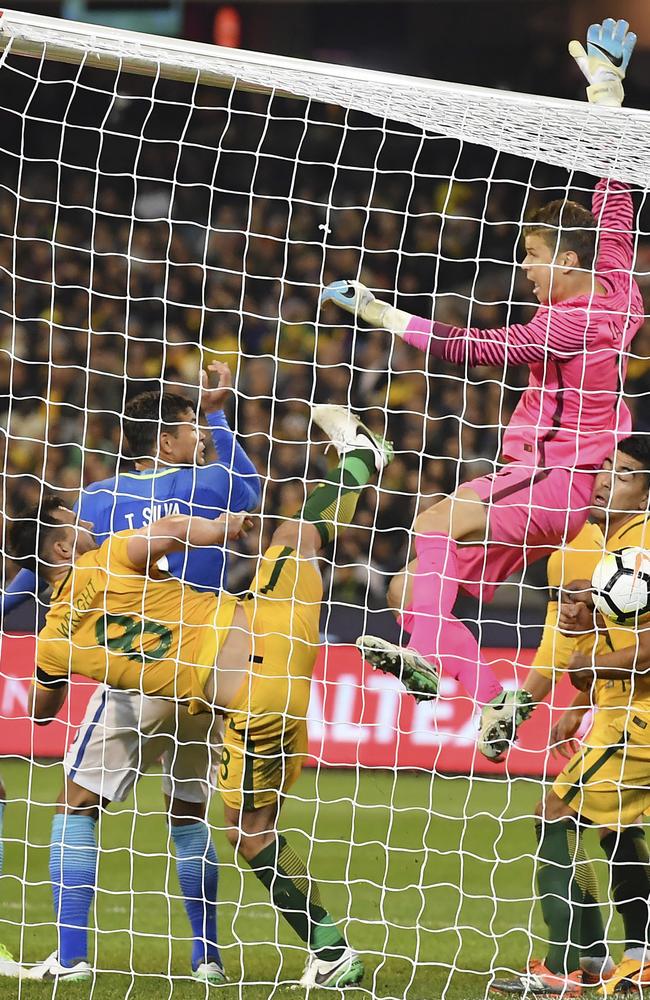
335 502
627 850
298 899
561 896
592 929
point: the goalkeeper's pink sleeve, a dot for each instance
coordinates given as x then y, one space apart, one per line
559 331
612 205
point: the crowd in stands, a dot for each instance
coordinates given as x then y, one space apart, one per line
130 259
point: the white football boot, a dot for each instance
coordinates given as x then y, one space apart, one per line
347 970
51 970
500 720
211 973
347 432
8 964
416 674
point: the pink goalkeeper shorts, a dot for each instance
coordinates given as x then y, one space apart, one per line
530 514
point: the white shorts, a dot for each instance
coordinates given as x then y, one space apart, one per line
124 733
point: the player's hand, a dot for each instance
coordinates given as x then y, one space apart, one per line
609 48
355 298
234 525
581 672
576 608
562 742
575 618
215 396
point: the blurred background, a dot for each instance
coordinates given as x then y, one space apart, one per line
149 226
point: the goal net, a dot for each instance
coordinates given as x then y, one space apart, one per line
164 205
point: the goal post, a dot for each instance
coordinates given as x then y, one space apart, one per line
164 204
559 132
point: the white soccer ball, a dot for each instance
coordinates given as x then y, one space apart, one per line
621 584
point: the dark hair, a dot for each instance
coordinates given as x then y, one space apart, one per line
146 415
638 446
30 531
566 225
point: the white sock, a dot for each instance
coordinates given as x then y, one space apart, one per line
598 965
638 954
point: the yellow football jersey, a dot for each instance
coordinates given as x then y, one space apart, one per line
110 621
577 561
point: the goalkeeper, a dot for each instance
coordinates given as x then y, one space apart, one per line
116 617
567 422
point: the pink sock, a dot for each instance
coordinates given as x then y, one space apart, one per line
435 633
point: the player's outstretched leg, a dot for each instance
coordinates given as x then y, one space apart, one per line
332 505
295 894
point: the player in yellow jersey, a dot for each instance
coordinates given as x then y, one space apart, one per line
117 617
607 782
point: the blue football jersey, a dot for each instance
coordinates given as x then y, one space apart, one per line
136 499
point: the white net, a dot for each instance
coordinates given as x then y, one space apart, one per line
163 206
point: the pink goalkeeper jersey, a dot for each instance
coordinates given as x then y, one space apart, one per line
572 414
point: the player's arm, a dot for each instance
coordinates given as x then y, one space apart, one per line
562 741
47 696
604 64
178 532
617 665
234 476
551 658
23 586
560 334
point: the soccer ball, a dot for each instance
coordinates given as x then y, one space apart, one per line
621 584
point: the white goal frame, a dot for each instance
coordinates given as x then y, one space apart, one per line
575 135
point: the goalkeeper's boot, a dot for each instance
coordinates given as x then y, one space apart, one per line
538 981
500 720
416 674
347 432
51 970
630 977
347 970
211 973
8 965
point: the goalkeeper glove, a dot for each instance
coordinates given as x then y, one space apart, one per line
609 47
355 298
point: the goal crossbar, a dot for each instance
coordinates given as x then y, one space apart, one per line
570 134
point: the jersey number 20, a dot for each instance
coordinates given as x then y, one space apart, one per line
129 639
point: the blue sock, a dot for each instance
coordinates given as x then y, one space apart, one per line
196 864
73 870
2 842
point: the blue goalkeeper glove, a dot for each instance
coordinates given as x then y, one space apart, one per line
609 48
355 298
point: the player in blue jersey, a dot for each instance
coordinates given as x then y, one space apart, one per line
124 733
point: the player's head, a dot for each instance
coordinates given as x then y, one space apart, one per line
48 536
622 487
560 242
163 426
